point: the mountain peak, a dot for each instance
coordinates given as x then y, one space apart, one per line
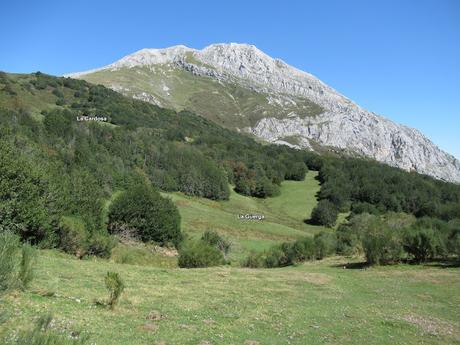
225 47
240 87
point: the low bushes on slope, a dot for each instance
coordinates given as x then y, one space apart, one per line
198 254
214 239
382 240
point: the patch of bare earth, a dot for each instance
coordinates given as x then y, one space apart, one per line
432 326
149 326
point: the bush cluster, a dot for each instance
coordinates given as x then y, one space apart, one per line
290 253
214 239
141 212
199 254
383 240
394 237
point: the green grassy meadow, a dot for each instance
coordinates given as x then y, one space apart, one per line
313 303
284 216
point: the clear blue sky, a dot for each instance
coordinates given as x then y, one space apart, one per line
400 59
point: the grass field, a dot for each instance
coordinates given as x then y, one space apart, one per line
314 303
284 216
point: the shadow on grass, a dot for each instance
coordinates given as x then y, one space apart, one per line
435 263
311 222
353 265
442 263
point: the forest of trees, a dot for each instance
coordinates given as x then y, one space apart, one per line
57 175
365 186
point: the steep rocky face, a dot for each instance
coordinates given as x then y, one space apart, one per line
240 87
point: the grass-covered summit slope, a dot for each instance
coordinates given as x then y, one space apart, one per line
224 102
314 303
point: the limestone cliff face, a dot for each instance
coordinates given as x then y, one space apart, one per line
281 101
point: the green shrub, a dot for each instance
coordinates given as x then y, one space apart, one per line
264 188
101 245
298 251
22 197
276 257
115 286
58 122
73 237
9 245
454 243
214 239
364 207
348 241
325 244
422 244
382 245
288 253
350 235
196 254
61 101
243 186
308 248
453 239
26 266
43 334
254 260
143 213
325 213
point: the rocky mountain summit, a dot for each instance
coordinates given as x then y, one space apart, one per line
240 87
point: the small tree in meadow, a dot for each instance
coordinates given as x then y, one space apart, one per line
115 286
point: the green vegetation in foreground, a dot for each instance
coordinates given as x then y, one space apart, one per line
284 216
315 303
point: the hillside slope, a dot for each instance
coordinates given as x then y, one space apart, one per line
284 216
240 87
